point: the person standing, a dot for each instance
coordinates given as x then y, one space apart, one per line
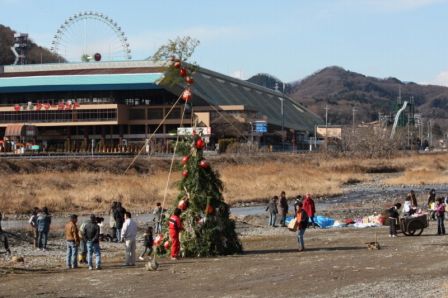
272 209
440 214
72 239
431 203
128 235
310 208
119 219
302 223
393 219
43 228
413 197
33 223
283 209
158 211
3 237
148 242
92 238
175 226
112 223
296 203
82 244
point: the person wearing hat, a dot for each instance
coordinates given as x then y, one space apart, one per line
72 239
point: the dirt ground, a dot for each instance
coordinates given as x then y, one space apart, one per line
336 263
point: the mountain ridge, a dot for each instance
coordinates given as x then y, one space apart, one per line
342 90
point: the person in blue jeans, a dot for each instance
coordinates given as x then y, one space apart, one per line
72 239
272 209
302 223
92 237
43 228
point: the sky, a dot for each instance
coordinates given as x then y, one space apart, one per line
289 39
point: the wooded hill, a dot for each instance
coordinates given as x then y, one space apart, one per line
35 54
342 90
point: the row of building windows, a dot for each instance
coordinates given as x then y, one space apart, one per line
58 116
154 114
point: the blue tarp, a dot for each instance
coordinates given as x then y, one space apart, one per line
322 221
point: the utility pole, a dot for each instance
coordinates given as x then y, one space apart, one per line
354 110
283 124
326 124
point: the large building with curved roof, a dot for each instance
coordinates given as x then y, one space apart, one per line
121 103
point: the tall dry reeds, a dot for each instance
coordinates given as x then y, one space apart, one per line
94 188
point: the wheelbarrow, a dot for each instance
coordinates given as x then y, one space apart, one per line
413 225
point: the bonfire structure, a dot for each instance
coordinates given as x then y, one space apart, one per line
207 227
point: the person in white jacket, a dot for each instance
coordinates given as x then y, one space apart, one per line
128 236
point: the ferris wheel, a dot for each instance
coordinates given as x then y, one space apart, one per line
90 36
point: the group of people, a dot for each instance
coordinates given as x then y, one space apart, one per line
435 206
304 211
87 238
40 221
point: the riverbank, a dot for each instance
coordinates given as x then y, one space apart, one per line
336 263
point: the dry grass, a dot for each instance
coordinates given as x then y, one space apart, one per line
245 179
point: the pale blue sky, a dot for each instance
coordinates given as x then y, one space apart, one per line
290 39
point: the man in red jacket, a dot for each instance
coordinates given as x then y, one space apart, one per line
175 226
310 209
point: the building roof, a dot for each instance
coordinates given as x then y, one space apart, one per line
219 89
79 82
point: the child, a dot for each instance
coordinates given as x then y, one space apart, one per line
147 244
158 213
103 237
440 214
175 227
393 219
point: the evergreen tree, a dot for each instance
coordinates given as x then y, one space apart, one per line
208 230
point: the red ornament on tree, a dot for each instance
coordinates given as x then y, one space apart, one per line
182 72
200 143
209 209
158 240
166 245
186 95
185 173
203 164
189 80
177 64
185 159
183 204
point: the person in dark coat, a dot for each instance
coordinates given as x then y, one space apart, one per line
119 212
3 237
92 237
283 209
272 209
393 219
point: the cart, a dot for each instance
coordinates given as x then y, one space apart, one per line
413 225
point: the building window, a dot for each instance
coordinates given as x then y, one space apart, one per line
137 129
137 114
175 114
155 114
